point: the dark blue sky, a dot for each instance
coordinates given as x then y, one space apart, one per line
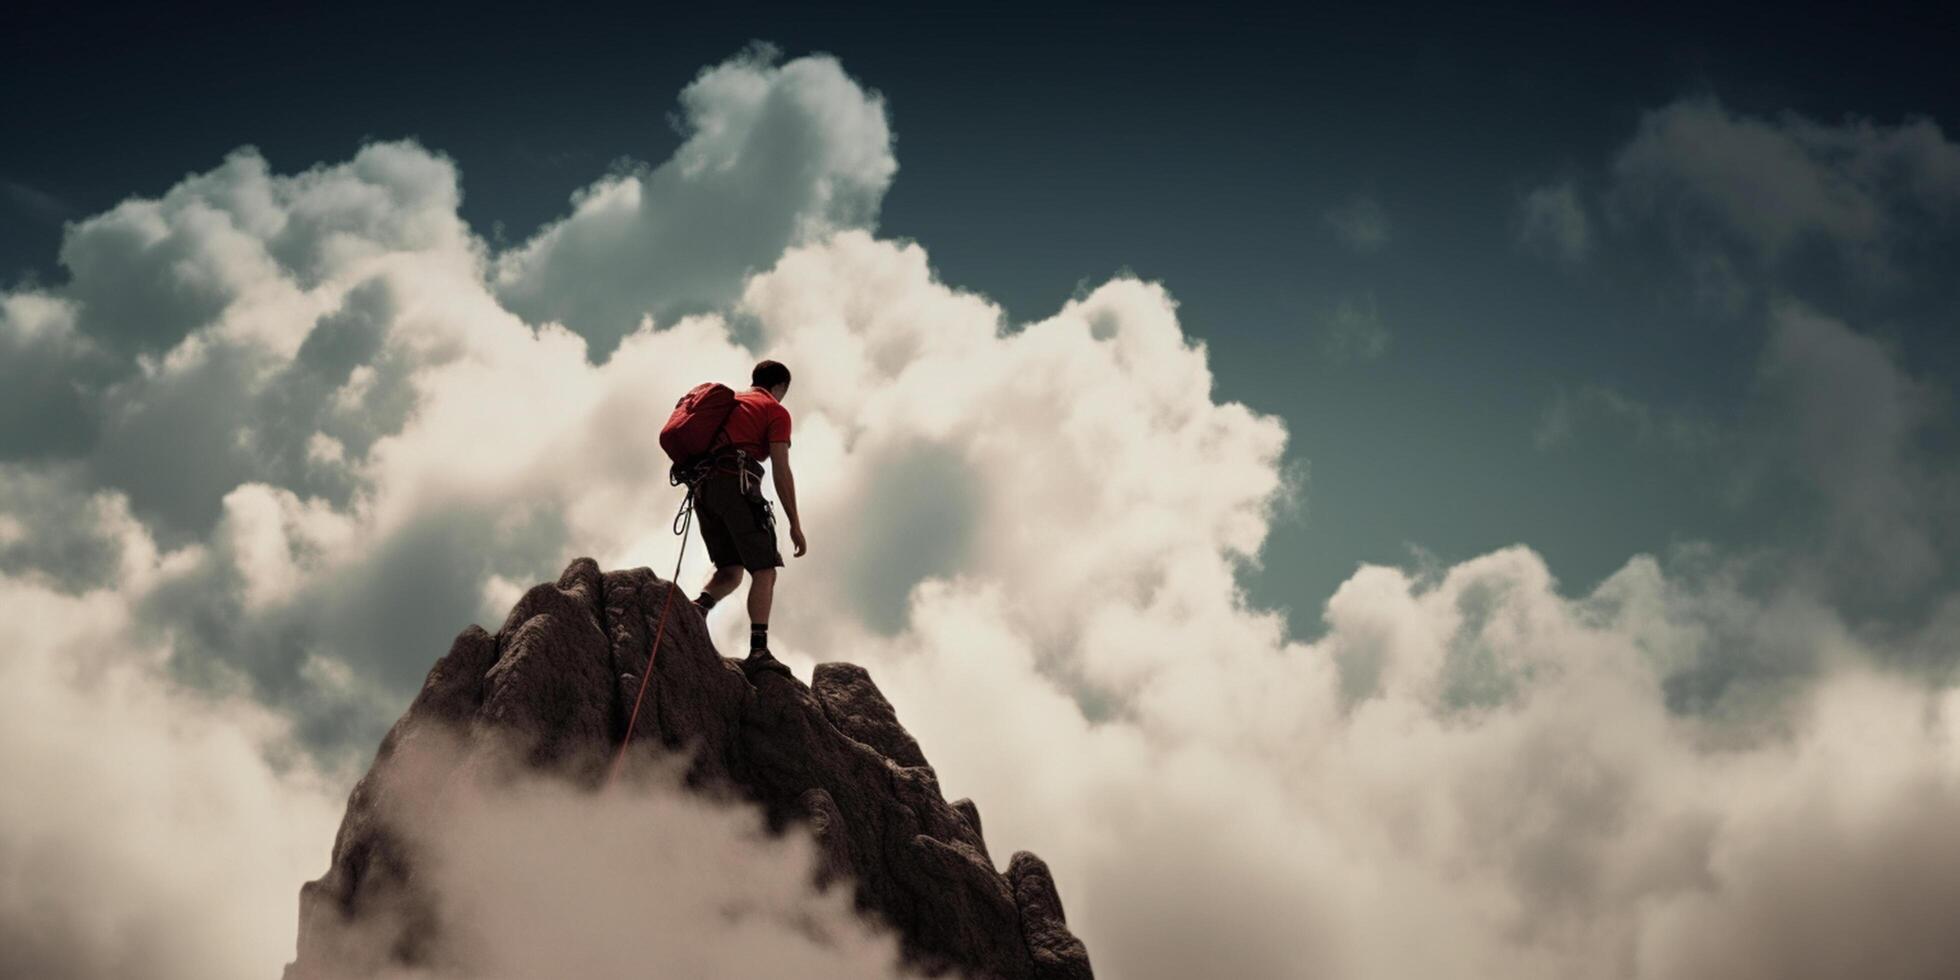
1044 148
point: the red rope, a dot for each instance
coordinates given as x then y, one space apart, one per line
654 650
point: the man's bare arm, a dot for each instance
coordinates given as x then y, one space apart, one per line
786 492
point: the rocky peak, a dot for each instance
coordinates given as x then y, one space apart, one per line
558 680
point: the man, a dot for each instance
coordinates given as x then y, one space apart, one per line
736 522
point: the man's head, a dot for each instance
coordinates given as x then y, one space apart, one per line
771 376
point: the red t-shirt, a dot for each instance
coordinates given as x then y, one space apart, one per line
758 420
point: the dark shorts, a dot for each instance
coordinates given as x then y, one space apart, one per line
739 529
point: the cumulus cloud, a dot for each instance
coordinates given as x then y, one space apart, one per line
49 374
1470 775
1360 224
239 251
347 428
1552 220
775 156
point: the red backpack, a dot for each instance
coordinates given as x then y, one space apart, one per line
695 428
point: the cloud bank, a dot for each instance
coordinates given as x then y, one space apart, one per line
315 425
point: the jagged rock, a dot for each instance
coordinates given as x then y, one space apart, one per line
559 680
1057 953
859 709
970 812
833 844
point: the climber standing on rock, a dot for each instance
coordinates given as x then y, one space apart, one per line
737 522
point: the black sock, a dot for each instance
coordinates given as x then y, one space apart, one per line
705 601
758 636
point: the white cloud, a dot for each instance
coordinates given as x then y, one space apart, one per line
144 831
663 879
244 248
535 877
775 156
353 429
1552 219
1506 794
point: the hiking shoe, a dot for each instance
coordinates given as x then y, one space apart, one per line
764 660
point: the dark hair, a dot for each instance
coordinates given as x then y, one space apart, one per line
769 374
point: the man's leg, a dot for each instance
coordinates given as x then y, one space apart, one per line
724 581
712 518
761 592
762 589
